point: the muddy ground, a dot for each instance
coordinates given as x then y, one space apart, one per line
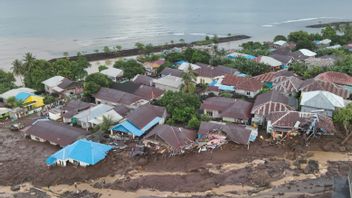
263 170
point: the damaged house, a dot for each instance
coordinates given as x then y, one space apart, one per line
169 138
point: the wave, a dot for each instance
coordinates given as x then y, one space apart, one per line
299 20
178 33
198 34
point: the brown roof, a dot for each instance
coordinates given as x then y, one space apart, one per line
212 72
75 106
155 64
242 83
65 83
287 120
335 77
143 80
285 59
319 85
287 85
176 137
116 96
145 114
172 72
55 132
122 110
272 101
148 93
236 133
228 107
270 76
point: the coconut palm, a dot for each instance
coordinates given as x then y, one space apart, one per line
28 61
188 81
18 69
106 124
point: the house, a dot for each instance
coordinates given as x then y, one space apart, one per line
30 101
326 61
55 133
234 55
280 43
321 101
127 86
113 73
270 102
169 83
338 78
206 73
141 120
115 98
172 72
323 43
249 87
63 86
303 54
286 60
235 133
272 62
184 66
228 109
149 93
152 67
143 80
81 153
13 93
295 121
170 137
94 116
319 85
4 113
268 78
288 86
72 108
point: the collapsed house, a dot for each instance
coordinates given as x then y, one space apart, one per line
215 134
299 122
165 138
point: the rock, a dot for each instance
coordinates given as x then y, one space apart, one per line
15 188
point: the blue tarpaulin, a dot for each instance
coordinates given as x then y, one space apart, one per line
83 151
22 96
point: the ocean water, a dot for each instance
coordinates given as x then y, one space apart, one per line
47 28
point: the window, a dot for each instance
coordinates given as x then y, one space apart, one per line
248 93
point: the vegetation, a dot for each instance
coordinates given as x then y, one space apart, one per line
181 106
7 81
189 85
130 68
255 48
102 67
280 38
94 82
48 99
12 102
106 124
249 67
343 117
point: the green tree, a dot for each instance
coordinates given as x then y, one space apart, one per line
280 38
49 99
255 48
65 54
193 123
139 46
106 49
18 69
102 67
328 32
7 81
249 67
106 124
298 36
343 117
182 40
39 71
118 47
148 49
174 57
188 78
94 82
130 68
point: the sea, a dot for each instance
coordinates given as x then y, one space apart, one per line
48 28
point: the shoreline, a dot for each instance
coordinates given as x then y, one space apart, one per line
158 48
322 25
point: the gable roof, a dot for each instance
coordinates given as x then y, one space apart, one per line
289 119
184 66
319 85
116 96
82 150
74 107
335 77
320 61
14 92
322 99
287 85
172 72
128 86
270 76
155 64
143 80
175 137
170 81
145 114
242 83
148 93
113 72
228 107
22 96
269 61
93 112
269 102
53 81
307 52
55 132
212 72
284 59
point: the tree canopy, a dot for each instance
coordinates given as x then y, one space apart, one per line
7 81
280 38
130 68
249 67
255 48
343 117
94 82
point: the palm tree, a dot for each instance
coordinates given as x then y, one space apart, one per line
18 69
106 124
188 81
28 61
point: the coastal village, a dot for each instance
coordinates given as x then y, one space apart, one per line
295 90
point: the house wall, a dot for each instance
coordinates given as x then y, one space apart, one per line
203 80
258 119
227 119
212 113
310 109
66 120
48 89
249 94
166 87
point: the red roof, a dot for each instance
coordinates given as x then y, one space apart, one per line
319 85
335 77
270 102
242 83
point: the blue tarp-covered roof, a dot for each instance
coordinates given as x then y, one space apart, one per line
128 127
221 86
22 96
82 150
